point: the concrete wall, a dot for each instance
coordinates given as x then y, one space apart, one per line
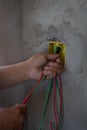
66 20
11 48
25 27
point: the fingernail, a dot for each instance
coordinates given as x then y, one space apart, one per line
58 60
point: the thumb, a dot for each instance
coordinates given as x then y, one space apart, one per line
20 105
52 56
22 108
17 104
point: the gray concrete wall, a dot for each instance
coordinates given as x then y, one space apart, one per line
66 20
10 31
24 30
11 48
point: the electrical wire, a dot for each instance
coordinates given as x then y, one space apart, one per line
27 98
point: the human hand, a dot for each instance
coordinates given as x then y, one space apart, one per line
48 64
12 118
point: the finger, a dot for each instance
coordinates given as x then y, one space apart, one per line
54 69
22 108
49 73
51 69
50 77
17 104
54 64
58 60
20 105
52 56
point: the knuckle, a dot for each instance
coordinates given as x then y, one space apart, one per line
53 64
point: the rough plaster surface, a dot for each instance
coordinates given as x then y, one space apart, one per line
11 50
41 20
66 20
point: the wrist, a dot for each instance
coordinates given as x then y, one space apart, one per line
28 69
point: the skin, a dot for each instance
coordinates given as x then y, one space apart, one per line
13 118
49 64
30 69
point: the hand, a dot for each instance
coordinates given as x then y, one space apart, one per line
12 118
48 64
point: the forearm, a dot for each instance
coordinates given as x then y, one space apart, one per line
13 74
30 69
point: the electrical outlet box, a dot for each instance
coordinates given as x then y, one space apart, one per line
57 47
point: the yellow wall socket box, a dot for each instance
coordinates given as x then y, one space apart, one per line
57 47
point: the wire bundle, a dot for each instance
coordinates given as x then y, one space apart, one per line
56 83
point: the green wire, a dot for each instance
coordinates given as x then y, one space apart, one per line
47 98
46 103
44 77
58 88
58 92
61 115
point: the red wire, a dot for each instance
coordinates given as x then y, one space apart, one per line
54 101
26 99
51 128
60 84
57 118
